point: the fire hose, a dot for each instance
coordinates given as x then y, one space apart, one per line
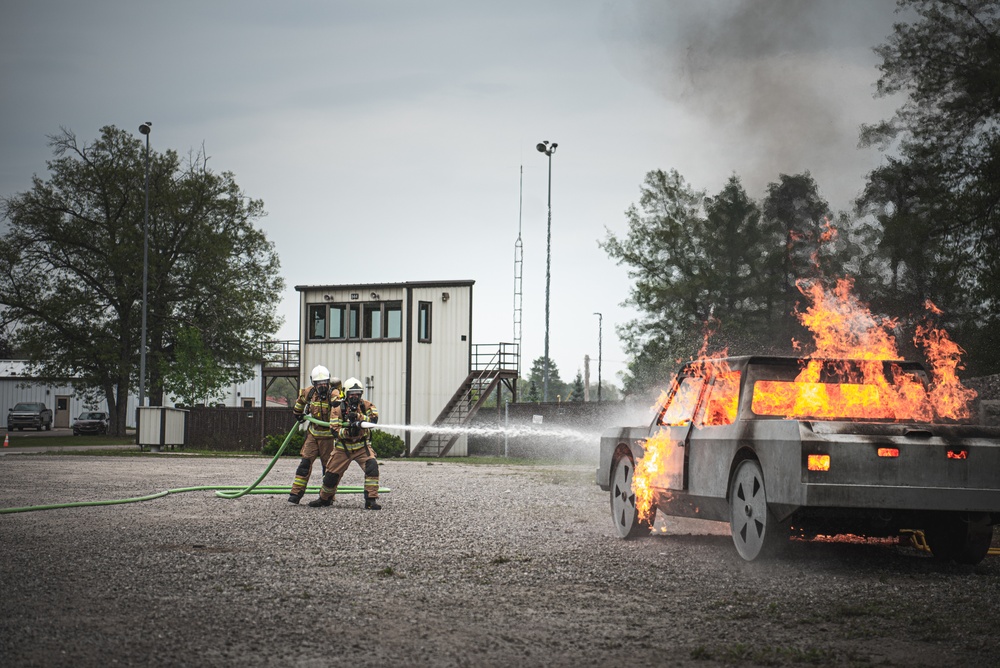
224 491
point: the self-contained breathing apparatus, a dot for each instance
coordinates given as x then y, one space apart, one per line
353 409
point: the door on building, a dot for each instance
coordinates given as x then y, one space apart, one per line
61 418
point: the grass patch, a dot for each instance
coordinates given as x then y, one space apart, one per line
19 441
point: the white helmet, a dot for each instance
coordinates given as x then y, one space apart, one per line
319 374
353 385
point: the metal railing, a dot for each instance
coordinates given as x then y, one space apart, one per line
495 357
280 355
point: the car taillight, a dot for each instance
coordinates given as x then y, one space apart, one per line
818 462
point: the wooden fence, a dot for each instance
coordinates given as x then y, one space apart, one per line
234 429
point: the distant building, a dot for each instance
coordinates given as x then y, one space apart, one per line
18 384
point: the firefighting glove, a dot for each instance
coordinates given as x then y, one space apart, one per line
300 418
355 426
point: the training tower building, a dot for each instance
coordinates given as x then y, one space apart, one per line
410 344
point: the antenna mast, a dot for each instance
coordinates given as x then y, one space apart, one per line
518 268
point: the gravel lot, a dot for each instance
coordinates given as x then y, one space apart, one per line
465 566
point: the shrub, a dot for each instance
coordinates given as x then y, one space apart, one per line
385 445
273 441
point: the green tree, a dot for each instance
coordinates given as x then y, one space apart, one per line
71 269
537 376
533 395
701 264
939 198
193 375
795 219
576 394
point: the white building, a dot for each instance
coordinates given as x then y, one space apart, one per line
18 384
410 344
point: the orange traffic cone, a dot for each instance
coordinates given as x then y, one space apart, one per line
6 440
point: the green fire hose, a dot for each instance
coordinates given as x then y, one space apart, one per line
224 491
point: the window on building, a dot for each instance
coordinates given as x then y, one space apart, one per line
354 318
367 321
248 403
337 312
317 321
424 322
372 321
394 320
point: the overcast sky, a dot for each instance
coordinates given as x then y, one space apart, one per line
404 126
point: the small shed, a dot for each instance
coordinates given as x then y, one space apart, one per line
409 343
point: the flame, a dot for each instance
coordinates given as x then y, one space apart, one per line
648 471
845 329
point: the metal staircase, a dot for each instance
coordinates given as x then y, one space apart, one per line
491 365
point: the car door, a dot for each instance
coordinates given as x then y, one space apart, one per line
669 434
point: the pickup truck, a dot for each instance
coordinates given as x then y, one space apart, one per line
29 414
744 440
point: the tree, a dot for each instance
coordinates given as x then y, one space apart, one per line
701 264
533 395
939 199
576 394
6 352
537 377
71 270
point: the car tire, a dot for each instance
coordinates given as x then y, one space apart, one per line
961 537
757 534
624 513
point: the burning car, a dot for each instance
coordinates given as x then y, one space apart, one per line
90 422
781 446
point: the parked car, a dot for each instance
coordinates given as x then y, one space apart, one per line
736 440
90 423
29 414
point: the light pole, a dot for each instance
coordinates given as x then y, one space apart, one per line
600 345
547 149
145 129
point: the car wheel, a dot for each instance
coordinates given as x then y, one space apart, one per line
960 537
756 532
624 513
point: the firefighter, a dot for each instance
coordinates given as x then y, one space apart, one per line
354 444
318 400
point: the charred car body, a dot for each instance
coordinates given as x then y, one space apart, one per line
737 440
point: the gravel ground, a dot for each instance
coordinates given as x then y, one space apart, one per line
465 566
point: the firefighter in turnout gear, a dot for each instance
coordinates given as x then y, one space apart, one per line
354 444
318 400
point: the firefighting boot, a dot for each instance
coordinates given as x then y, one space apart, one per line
318 503
295 498
371 503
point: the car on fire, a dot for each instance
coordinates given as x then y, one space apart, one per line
782 446
29 414
90 422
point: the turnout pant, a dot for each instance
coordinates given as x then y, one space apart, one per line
312 448
341 457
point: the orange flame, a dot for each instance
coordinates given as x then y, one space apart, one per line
649 470
845 329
